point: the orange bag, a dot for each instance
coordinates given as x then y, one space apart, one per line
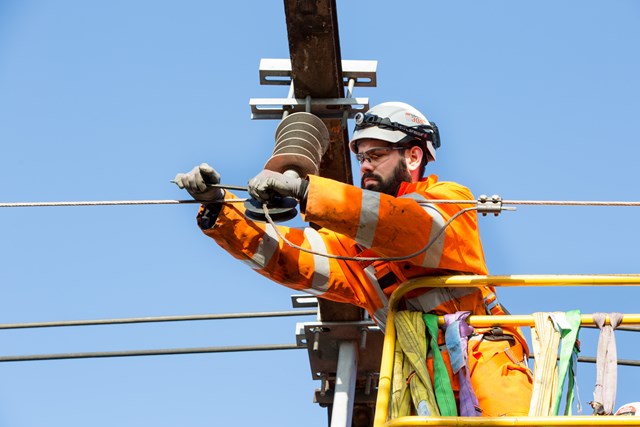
499 376
502 382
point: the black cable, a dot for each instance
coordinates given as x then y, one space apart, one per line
157 319
160 352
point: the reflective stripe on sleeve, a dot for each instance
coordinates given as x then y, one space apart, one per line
368 218
321 267
380 316
265 250
433 255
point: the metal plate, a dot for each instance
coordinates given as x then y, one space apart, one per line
325 360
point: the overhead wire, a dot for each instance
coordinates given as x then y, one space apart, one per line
109 203
428 204
156 352
205 350
191 201
154 319
159 352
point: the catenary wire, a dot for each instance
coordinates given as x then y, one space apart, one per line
159 352
203 350
110 203
157 319
398 258
191 201
544 202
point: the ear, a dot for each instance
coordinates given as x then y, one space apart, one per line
413 157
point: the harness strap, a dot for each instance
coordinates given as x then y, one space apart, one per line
384 273
569 325
444 392
545 339
574 368
492 305
573 380
457 333
411 336
400 397
604 394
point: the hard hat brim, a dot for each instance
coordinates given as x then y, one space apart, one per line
374 132
390 136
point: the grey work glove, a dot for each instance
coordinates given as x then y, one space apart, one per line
195 182
268 183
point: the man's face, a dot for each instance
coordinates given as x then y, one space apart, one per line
382 170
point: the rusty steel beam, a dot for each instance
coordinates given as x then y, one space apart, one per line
314 47
316 69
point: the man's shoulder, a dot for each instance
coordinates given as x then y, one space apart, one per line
442 189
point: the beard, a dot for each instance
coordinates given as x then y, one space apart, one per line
391 185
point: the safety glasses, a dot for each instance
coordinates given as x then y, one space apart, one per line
377 155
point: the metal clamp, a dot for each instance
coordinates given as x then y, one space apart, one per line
492 205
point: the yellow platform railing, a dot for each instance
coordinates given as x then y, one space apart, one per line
386 368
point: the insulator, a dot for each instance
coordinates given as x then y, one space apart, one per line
301 141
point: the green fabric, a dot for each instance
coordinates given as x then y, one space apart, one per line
411 336
573 365
444 392
568 325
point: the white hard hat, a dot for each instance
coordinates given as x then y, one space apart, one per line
396 122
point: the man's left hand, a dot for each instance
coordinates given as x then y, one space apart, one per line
268 183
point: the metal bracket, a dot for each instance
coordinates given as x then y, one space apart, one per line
321 340
325 108
278 72
304 301
345 357
493 205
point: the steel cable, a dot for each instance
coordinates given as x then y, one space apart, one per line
160 352
202 350
157 319
436 201
109 203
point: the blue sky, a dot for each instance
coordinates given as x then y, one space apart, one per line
109 100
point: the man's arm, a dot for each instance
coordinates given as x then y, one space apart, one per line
258 245
400 226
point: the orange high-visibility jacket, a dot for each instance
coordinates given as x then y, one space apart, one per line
357 222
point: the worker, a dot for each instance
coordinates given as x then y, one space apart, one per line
387 217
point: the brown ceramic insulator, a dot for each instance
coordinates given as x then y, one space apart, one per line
301 140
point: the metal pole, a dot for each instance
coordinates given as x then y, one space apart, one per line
345 385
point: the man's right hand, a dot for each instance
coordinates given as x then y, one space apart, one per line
196 181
